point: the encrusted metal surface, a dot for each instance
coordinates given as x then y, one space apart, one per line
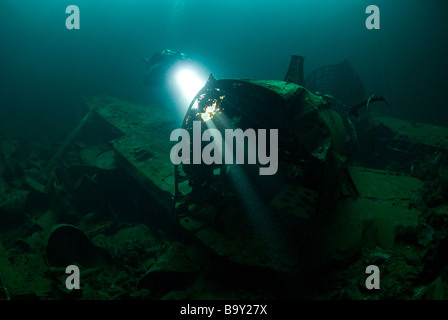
144 146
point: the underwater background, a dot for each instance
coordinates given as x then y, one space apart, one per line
388 196
404 60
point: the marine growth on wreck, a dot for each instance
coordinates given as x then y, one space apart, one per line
258 184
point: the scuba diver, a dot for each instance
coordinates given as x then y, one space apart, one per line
159 66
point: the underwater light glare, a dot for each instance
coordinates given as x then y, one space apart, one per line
190 83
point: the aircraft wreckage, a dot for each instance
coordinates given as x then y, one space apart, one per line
319 209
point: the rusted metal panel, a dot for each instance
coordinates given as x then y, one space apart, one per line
145 145
416 132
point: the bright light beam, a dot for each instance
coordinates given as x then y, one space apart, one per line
189 82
